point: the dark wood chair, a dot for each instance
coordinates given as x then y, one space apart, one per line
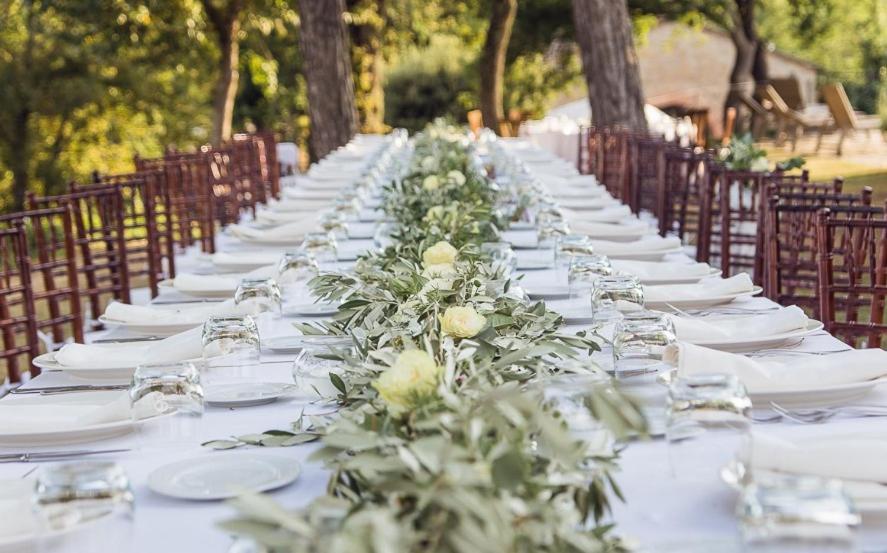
647 170
100 238
16 304
685 185
614 173
733 207
230 196
52 255
790 242
852 277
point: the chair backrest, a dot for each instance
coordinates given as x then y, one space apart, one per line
100 237
615 174
226 187
686 174
852 277
16 304
647 167
52 256
790 242
734 222
789 89
839 105
768 93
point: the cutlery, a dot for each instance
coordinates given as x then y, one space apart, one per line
815 416
28 456
127 340
729 311
205 300
786 351
68 389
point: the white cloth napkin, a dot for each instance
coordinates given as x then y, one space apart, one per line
696 329
707 288
308 183
557 168
857 458
613 214
629 228
188 282
287 205
586 204
652 243
303 194
289 232
55 414
178 347
16 513
800 372
246 258
197 315
660 269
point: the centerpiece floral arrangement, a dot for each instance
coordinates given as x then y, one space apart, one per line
444 440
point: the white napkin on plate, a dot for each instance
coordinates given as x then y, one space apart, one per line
660 269
585 204
856 457
696 329
246 258
652 243
49 414
188 282
197 315
801 372
292 232
612 214
628 228
178 347
303 194
707 288
299 205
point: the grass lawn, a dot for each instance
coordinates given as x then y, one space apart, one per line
856 175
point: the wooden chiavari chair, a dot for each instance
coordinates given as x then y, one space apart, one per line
734 216
852 277
790 242
51 251
100 237
16 303
686 180
228 194
614 173
647 171
270 162
247 153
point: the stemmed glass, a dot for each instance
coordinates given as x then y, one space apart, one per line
172 390
90 501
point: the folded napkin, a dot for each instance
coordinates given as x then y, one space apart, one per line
660 269
856 457
51 414
197 315
16 512
303 194
708 288
584 205
801 372
612 214
629 228
572 192
308 183
178 347
274 218
652 243
187 282
697 329
246 258
556 168
288 232
286 205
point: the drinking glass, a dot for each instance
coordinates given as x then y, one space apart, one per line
583 272
294 271
334 223
230 348
311 371
258 295
382 235
321 245
616 294
707 425
568 246
502 256
639 341
788 513
172 390
90 501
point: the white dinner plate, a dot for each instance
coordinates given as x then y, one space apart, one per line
650 255
246 394
153 329
701 303
312 310
225 292
814 397
27 542
223 476
295 344
759 342
594 204
548 292
675 279
521 225
9 437
576 315
47 362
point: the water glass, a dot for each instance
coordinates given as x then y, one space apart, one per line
296 269
311 372
230 348
321 245
83 506
258 295
382 236
707 425
334 223
501 255
613 295
639 341
584 270
172 390
568 246
796 514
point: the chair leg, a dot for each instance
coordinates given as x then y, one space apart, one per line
819 140
840 149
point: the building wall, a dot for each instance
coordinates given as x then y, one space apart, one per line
690 67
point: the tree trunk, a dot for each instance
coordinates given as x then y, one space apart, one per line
492 62
367 25
18 162
750 64
327 66
610 63
226 23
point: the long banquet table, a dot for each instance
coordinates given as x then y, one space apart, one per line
658 511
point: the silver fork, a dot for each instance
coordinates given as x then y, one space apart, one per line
787 351
815 416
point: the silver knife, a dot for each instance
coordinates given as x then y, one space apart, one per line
65 389
126 340
28 456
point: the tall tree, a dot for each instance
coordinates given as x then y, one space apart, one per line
492 61
366 27
327 67
225 21
610 63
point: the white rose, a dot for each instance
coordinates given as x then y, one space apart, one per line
441 253
428 163
436 212
457 177
462 322
411 380
431 182
441 270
